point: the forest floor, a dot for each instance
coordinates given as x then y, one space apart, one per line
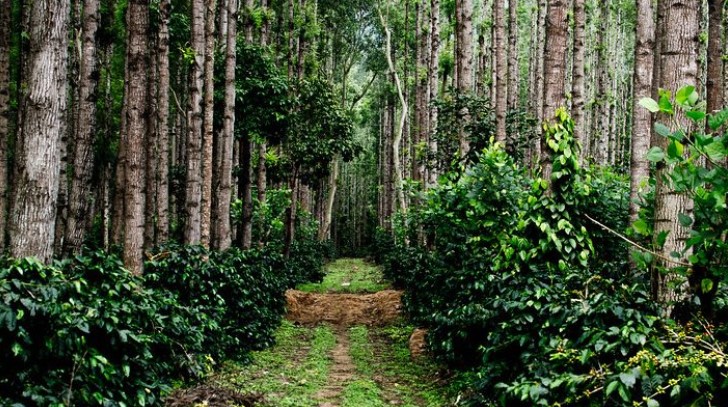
343 344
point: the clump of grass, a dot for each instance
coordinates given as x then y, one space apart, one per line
289 374
349 276
362 393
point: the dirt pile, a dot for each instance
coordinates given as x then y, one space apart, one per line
212 396
377 309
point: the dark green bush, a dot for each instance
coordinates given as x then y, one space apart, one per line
84 331
520 288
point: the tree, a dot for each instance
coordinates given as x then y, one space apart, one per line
642 122
42 118
208 126
554 70
513 68
464 62
5 8
162 121
224 194
136 116
193 232
80 195
433 82
501 70
577 86
678 67
714 81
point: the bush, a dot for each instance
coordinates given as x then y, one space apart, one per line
508 281
84 331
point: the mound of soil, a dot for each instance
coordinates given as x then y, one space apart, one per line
376 309
212 396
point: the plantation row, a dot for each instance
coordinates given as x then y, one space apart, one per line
526 288
85 331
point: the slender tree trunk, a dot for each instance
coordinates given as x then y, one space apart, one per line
249 23
224 196
325 229
5 27
464 61
554 71
265 27
162 195
577 87
152 148
208 126
193 231
513 68
136 77
714 82
433 85
80 194
501 70
42 118
678 61
397 139
642 119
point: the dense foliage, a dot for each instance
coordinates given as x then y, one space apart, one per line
521 288
85 331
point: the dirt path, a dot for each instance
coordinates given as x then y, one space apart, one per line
339 347
341 372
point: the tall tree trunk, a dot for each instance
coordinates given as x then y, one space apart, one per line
714 82
42 113
208 123
678 61
433 71
554 71
162 189
501 70
136 77
397 139
249 23
5 21
328 210
577 86
464 62
601 105
193 232
642 119
224 196
265 27
513 68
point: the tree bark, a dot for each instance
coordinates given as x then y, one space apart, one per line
193 232
224 197
433 85
464 62
208 123
577 86
501 70
5 21
554 71
642 119
42 118
714 81
678 60
513 68
136 77
162 189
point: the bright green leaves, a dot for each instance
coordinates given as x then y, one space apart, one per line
656 154
650 104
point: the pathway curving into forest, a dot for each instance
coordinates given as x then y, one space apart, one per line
343 344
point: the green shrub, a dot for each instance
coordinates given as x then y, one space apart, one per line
519 287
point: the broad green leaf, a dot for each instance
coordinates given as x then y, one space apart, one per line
716 151
611 387
662 129
656 154
716 120
652 403
675 149
706 285
695 115
665 105
650 104
684 95
684 219
641 227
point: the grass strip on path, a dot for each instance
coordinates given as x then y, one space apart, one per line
350 276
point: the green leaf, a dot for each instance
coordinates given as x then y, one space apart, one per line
656 154
650 104
675 149
706 285
612 387
684 95
652 403
716 120
641 227
695 115
662 129
684 220
629 379
716 151
665 104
